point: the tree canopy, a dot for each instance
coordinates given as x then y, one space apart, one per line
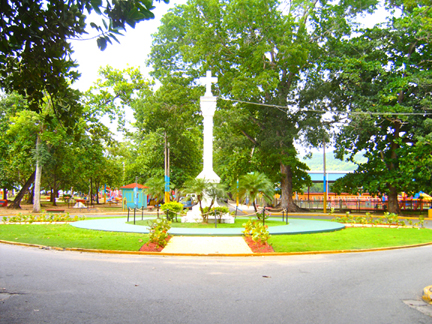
34 41
382 78
261 52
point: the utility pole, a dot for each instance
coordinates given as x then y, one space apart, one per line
167 171
135 198
324 179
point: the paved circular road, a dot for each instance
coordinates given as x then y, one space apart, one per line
47 286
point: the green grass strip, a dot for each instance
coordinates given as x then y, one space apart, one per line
67 236
350 239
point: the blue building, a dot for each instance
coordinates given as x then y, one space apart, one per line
134 196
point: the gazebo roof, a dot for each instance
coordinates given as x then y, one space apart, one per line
133 185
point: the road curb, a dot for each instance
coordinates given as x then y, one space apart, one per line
219 254
427 294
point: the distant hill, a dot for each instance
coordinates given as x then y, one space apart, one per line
332 164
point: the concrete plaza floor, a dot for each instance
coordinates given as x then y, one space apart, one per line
295 226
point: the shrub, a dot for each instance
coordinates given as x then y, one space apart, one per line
42 218
388 219
159 231
171 209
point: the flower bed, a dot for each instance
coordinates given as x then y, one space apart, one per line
153 247
258 247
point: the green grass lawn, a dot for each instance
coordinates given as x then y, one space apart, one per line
238 223
350 239
67 236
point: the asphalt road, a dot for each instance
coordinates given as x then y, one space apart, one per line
47 286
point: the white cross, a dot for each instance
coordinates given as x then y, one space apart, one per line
207 81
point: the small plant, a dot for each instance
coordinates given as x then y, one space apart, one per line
159 231
257 231
263 215
218 211
4 219
248 227
260 233
420 224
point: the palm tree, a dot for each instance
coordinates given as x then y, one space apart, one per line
156 189
202 188
251 185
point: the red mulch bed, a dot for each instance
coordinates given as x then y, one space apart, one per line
153 247
258 247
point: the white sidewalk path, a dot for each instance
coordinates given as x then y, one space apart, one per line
207 245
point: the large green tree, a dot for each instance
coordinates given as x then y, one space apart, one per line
67 159
35 35
171 114
35 50
14 158
383 79
261 51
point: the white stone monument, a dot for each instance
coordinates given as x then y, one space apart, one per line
208 107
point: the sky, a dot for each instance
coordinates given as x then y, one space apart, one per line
132 51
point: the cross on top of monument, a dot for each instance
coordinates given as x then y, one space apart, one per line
207 81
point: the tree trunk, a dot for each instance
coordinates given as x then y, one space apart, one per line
30 196
53 196
393 205
4 193
97 193
38 176
54 192
17 201
91 192
286 189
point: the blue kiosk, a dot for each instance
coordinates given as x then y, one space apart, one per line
134 196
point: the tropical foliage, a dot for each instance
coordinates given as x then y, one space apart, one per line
255 185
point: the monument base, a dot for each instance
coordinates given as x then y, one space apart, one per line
194 216
209 175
